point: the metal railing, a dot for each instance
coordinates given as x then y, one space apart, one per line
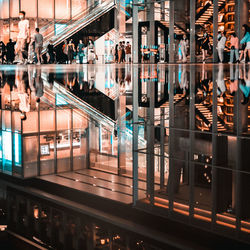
79 20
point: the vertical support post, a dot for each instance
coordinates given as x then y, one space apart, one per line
241 15
215 30
39 142
135 45
135 76
151 19
238 179
71 139
162 147
37 24
55 141
150 140
192 141
214 149
54 15
171 31
170 186
192 30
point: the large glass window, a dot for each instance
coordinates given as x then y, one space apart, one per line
30 7
62 9
4 8
45 9
14 8
78 6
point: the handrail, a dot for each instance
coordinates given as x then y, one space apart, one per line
81 19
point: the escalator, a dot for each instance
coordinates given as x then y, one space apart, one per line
58 31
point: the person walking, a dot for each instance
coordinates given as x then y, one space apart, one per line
80 50
128 53
123 52
205 46
51 52
245 43
115 52
2 52
120 52
71 51
91 52
221 46
38 38
65 52
23 37
234 48
10 51
183 48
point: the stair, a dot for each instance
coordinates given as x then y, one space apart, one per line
204 112
78 21
205 14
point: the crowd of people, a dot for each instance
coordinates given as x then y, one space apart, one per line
239 49
122 53
32 50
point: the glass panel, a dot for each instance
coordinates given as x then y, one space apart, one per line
63 119
13 29
45 116
30 7
16 121
47 155
30 125
45 9
62 9
30 153
79 149
4 9
63 147
7 151
78 6
14 8
17 144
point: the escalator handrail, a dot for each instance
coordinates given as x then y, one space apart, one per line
78 24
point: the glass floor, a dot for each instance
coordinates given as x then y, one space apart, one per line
172 137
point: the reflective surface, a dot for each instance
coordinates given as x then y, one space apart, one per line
182 130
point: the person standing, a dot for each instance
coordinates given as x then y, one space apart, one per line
23 37
51 52
183 48
115 52
71 51
65 52
38 38
221 46
80 49
120 52
234 48
10 47
91 52
205 46
123 52
128 52
246 43
2 51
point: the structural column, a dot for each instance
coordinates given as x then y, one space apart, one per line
215 30
135 45
135 78
151 37
241 15
171 32
192 30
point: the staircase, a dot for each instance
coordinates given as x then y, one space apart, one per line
206 13
205 116
78 21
